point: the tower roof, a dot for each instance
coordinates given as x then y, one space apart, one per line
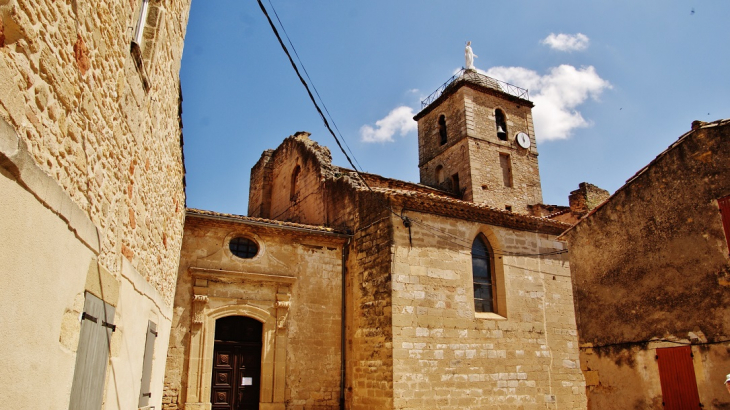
476 80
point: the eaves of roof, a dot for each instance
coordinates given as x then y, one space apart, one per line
442 205
675 144
267 223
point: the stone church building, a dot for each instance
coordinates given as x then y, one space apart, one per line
351 290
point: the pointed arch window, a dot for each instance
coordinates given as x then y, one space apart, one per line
482 264
501 124
293 185
442 129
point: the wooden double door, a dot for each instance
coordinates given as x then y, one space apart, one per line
236 383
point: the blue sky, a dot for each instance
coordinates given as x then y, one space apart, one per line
625 80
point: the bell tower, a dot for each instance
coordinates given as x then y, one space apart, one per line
476 139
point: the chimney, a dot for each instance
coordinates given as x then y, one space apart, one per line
585 198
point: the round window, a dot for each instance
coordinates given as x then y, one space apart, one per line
243 248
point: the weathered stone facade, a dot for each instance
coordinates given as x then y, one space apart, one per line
651 271
90 140
293 285
414 339
449 356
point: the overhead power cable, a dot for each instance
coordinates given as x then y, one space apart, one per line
406 220
309 92
312 83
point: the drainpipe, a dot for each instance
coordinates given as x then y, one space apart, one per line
343 316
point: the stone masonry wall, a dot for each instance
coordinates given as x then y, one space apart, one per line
487 181
446 356
652 262
322 195
429 139
369 350
453 160
470 113
310 331
69 86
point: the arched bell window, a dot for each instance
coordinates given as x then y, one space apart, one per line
501 124
442 129
482 265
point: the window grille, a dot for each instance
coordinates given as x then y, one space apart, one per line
243 247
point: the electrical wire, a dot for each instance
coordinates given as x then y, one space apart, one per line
406 220
312 83
643 342
309 92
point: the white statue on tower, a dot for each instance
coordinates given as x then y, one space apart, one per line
469 55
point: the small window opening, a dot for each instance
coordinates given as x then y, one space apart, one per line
442 129
294 180
243 247
508 208
506 164
439 174
501 124
455 184
481 265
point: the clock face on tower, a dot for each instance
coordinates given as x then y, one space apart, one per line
523 140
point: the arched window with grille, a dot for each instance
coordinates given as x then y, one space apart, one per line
482 264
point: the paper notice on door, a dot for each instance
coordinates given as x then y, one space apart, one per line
247 381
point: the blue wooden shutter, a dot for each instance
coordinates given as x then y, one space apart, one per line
145 392
92 355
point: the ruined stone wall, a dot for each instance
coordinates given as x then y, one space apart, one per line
446 355
295 280
71 90
370 337
259 193
323 193
653 262
586 197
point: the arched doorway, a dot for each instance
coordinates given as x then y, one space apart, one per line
236 381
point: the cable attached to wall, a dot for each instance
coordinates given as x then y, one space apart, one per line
644 342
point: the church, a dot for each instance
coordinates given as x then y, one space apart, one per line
343 289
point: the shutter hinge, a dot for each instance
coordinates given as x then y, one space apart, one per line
147 394
153 332
109 325
88 317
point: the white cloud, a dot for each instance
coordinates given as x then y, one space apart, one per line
556 96
400 120
566 42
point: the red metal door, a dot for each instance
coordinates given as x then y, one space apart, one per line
677 377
